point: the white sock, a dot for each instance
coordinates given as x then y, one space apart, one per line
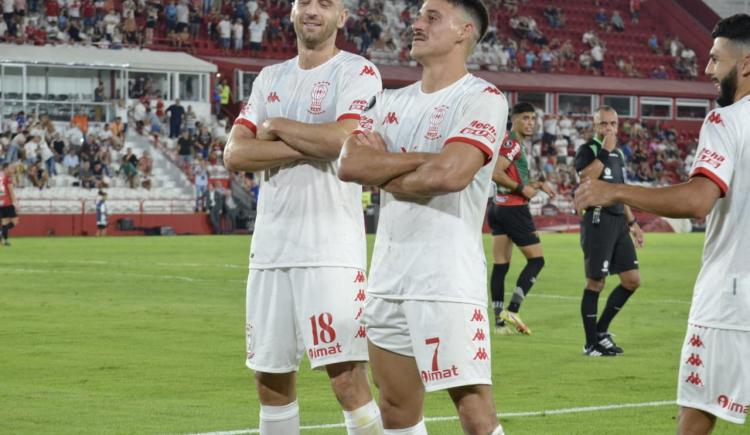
418 429
364 420
279 420
498 430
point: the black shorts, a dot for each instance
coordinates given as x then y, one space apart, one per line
607 246
101 226
515 222
8 212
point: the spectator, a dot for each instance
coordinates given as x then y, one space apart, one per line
190 121
237 34
71 163
176 112
170 13
185 150
225 93
256 36
635 11
129 168
38 175
601 19
201 186
152 15
617 22
182 15
653 44
225 33
597 59
214 201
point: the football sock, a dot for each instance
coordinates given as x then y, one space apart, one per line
279 420
588 314
526 279
418 429
497 284
364 420
615 302
5 229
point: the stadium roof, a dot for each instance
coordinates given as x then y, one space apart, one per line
527 82
126 58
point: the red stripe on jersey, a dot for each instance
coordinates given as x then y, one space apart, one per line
482 147
348 116
247 123
713 177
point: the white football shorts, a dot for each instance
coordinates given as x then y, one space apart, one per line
450 341
714 372
307 310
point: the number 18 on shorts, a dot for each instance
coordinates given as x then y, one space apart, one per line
313 311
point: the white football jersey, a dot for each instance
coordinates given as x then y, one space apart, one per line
306 215
432 249
722 292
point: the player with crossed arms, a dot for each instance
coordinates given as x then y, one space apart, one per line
306 287
430 146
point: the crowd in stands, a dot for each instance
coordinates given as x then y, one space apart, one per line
375 28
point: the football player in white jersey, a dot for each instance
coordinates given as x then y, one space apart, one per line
714 379
429 146
306 286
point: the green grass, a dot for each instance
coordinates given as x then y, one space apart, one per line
145 335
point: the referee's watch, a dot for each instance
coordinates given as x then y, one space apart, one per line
633 222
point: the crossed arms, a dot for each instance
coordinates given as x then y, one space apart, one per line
365 160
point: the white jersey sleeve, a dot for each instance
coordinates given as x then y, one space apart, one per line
254 111
716 154
479 124
356 87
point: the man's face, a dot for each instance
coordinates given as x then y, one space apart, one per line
722 70
523 123
316 21
437 29
605 122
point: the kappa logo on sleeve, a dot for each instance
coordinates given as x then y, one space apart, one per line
391 118
273 97
367 70
715 118
711 158
492 90
481 129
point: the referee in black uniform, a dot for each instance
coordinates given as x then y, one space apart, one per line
605 236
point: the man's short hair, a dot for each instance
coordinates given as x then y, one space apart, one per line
478 13
735 28
604 108
522 107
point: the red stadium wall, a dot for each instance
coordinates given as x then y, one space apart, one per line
85 224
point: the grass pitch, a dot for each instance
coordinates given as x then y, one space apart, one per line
145 336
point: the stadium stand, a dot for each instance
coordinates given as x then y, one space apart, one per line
569 41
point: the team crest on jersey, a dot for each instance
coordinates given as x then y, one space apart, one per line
438 115
319 92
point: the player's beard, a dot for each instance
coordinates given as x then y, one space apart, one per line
313 40
727 89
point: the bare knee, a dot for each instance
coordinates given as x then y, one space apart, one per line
399 413
276 389
596 285
476 409
695 422
631 283
349 384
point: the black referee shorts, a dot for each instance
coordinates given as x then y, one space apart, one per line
515 222
8 212
607 246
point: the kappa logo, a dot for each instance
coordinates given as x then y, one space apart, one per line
359 313
438 115
477 316
696 341
711 158
361 333
360 295
694 379
481 129
358 105
694 360
367 70
360 277
481 354
479 336
715 118
319 92
273 97
391 118
492 90
728 403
